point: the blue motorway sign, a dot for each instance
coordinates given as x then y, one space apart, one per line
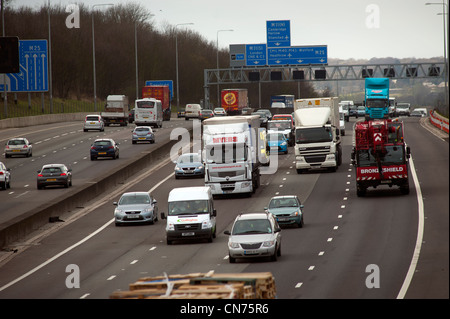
162 82
297 55
256 54
33 75
278 33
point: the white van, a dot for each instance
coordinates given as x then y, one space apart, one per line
192 111
148 112
191 214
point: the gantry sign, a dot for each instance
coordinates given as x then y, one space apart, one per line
294 73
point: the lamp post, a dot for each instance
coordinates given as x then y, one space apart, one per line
217 47
176 61
444 12
93 51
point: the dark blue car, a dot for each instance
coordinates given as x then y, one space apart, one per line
104 147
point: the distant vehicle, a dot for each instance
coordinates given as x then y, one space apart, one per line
220 111
288 117
419 112
264 116
131 116
192 111
234 100
116 110
180 113
247 111
54 174
135 207
360 111
206 114
93 122
5 177
346 105
148 112
287 210
282 126
403 109
254 235
282 101
162 94
277 142
104 147
188 165
18 146
142 134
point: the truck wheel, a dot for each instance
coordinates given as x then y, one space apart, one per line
405 188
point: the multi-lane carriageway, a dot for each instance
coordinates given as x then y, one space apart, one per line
346 239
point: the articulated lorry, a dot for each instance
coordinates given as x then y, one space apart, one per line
116 110
376 98
231 154
380 155
317 138
161 93
234 100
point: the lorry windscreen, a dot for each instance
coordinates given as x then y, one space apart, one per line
188 207
376 103
226 153
313 135
393 155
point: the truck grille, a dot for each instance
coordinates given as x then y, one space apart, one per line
187 226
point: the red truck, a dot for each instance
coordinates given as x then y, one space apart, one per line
234 100
380 155
162 93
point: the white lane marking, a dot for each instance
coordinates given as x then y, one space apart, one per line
133 262
85 296
420 229
111 277
73 246
298 285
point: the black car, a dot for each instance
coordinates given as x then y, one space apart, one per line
104 147
54 174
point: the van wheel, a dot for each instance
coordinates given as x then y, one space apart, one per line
231 259
169 242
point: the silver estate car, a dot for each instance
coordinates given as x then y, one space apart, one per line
93 122
135 207
18 146
254 235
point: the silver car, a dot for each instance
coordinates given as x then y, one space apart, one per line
93 122
135 207
5 177
142 134
189 164
254 235
18 146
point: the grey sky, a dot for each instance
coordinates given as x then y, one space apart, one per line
359 29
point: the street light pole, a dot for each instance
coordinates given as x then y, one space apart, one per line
445 47
217 48
93 51
176 61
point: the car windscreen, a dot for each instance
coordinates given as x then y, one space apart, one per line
92 118
283 202
16 142
102 143
189 158
188 207
51 170
251 226
134 199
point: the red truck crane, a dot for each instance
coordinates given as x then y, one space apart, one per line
380 155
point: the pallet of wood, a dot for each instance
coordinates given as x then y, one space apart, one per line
202 286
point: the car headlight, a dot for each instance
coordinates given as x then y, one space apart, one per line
269 243
118 211
233 245
283 144
206 225
200 167
177 168
296 213
170 226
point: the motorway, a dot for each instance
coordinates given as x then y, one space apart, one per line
344 239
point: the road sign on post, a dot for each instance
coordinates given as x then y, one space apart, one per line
33 74
256 54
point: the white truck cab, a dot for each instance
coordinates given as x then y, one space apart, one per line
190 215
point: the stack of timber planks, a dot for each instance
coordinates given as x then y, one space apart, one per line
260 285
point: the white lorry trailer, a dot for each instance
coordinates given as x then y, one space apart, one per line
231 154
116 110
317 138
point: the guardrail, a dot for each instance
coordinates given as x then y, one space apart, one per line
439 121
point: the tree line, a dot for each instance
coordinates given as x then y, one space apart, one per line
115 28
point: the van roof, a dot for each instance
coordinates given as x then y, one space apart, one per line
189 193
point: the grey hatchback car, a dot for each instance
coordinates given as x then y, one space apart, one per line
135 207
54 174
